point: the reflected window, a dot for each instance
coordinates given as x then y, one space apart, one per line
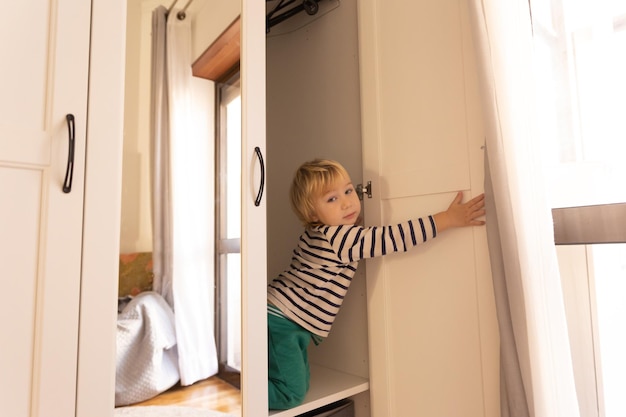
228 190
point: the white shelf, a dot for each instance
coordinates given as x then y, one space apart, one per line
327 386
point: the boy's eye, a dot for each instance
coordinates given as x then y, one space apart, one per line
331 199
349 190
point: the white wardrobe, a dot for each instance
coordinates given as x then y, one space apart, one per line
390 91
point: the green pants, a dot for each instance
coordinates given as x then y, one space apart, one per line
288 369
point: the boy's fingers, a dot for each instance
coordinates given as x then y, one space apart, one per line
477 202
477 199
479 213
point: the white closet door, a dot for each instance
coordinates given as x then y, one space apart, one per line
44 46
253 212
433 336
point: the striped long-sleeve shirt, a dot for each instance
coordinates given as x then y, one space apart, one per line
312 290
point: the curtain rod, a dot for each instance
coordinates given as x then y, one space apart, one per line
181 14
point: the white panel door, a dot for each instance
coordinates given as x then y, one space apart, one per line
433 336
253 212
44 46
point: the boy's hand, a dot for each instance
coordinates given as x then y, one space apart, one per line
461 214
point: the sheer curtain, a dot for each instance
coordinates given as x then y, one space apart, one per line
536 369
182 195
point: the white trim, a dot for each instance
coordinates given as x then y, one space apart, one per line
377 290
253 227
103 176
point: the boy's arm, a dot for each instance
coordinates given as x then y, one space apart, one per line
461 214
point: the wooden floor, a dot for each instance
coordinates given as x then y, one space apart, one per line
210 394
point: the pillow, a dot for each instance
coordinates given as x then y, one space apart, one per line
135 273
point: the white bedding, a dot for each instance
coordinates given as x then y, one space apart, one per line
147 360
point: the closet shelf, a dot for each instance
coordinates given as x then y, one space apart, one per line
327 386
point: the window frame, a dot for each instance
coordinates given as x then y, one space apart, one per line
225 92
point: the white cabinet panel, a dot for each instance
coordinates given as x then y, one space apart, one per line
43 79
432 320
19 281
420 85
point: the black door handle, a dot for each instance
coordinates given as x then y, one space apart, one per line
257 201
69 170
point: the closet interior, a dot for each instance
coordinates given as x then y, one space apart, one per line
313 111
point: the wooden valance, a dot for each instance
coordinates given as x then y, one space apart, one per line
221 59
588 225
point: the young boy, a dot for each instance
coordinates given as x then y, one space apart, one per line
304 300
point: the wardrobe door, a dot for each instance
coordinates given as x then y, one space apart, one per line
253 228
43 100
432 329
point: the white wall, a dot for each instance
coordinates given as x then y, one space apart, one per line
135 232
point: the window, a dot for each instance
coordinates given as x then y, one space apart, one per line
228 190
220 63
581 94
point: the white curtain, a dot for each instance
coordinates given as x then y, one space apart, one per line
536 370
182 164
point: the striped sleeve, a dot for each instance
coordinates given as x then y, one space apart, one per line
354 243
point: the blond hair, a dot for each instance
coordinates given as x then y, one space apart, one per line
312 180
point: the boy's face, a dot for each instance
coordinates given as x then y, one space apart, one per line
339 205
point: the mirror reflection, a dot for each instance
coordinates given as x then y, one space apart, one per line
178 328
